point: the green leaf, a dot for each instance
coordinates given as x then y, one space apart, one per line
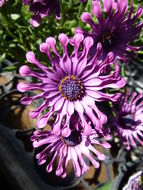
2 57
14 16
10 68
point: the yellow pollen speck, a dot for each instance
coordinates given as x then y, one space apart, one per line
82 91
62 81
65 97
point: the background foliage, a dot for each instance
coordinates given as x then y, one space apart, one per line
17 36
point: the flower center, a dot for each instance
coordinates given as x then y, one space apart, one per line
127 121
73 139
108 41
71 88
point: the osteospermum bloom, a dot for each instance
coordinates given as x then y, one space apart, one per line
128 123
135 182
73 84
43 8
75 148
2 2
114 31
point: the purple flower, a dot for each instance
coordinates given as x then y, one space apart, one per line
73 84
115 28
41 9
134 182
128 124
2 2
73 148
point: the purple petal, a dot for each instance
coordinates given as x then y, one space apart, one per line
96 9
107 5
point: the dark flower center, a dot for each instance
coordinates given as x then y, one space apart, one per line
108 41
127 121
73 139
71 88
